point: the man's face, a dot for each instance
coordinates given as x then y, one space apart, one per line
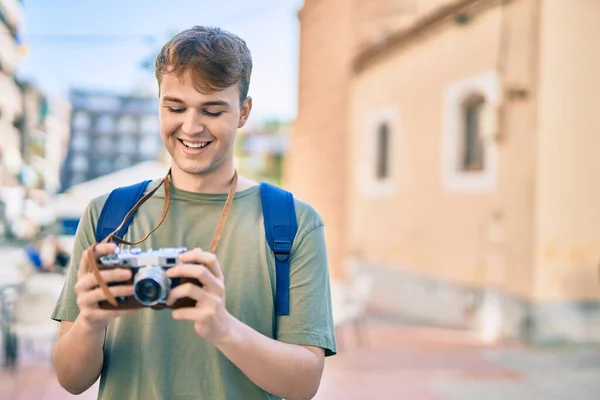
198 130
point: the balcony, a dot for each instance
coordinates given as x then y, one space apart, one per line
8 50
13 13
10 98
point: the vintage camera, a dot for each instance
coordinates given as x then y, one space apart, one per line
150 282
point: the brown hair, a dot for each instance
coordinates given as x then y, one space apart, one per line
216 59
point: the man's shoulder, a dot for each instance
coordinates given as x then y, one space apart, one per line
306 214
97 203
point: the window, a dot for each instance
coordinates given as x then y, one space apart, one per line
378 149
80 142
127 124
150 146
81 120
104 145
128 145
469 160
149 125
472 157
106 124
383 151
79 163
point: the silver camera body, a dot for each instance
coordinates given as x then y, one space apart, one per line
148 268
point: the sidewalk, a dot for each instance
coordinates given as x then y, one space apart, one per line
421 363
401 362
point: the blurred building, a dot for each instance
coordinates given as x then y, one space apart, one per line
44 129
11 108
10 95
260 150
109 132
450 147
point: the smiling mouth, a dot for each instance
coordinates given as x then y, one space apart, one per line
194 145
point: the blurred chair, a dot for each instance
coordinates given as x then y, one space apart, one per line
11 281
8 294
349 301
31 323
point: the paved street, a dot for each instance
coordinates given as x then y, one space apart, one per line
401 362
435 364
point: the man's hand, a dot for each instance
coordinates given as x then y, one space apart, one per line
286 370
211 319
89 294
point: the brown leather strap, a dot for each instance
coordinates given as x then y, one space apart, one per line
90 255
165 183
224 214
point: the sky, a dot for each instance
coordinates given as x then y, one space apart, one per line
101 44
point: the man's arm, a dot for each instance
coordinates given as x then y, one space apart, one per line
78 350
286 370
77 356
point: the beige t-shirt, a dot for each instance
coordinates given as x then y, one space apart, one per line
148 355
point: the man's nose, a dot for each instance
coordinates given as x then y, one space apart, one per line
192 123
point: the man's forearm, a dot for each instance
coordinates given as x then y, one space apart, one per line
282 369
78 358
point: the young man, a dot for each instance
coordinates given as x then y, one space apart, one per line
231 345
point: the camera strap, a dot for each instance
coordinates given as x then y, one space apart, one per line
90 256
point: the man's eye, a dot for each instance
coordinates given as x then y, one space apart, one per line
176 110
212 114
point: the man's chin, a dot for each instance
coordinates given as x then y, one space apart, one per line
192 168
198 169
195 167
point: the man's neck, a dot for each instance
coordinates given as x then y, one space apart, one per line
217 181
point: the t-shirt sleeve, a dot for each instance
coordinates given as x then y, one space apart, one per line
310 321
66 308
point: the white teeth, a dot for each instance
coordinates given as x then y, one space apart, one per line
195 145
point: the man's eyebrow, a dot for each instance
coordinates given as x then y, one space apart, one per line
173 99
216 103
205 104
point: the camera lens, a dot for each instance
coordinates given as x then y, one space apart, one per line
151 286
148 290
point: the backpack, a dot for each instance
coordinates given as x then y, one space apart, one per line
279 216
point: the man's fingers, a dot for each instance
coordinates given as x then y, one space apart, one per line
104 248
116 275
89 282
209 260
95 253
186 290
93 297
199 272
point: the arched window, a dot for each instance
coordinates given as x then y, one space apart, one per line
473 156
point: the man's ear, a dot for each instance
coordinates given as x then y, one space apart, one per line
245 112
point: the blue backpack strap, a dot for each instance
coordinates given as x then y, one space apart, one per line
281 226
117 205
